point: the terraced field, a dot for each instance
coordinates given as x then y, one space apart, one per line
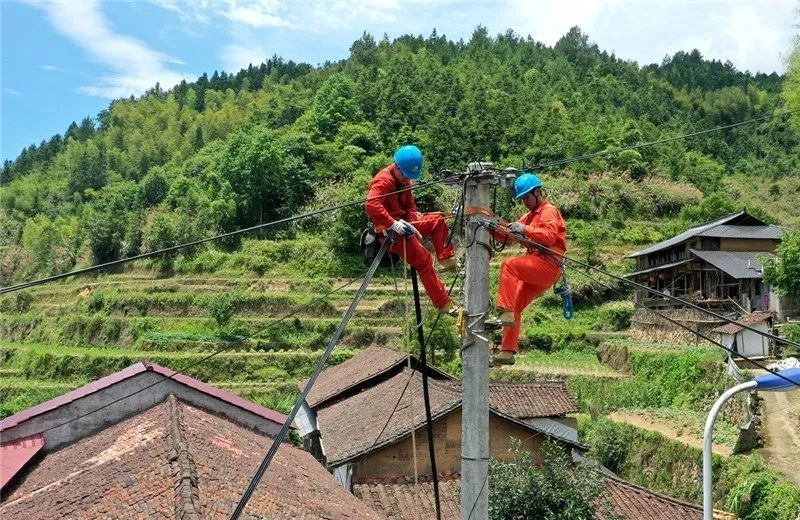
66 334
59 336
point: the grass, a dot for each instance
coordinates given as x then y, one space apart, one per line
66 363
690 423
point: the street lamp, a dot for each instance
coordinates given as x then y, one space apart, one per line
787 380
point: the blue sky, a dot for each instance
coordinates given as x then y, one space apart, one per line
64 60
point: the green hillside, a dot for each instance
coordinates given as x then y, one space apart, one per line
234 150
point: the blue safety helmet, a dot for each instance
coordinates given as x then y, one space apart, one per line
409 160
526 183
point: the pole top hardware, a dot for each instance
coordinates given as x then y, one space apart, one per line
486 173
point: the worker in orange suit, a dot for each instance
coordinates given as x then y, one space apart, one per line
398 212
525 278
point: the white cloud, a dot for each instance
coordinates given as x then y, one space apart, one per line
135 66
549 20
52 68
257 14
236 57
250 13
344 14
195 11
12 92
745 20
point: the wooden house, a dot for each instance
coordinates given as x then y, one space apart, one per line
717 265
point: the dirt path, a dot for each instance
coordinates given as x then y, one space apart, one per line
667 429
781 426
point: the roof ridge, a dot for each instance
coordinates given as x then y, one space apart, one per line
721 220
184 471
651 492
528 383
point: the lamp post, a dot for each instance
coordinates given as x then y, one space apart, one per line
786 381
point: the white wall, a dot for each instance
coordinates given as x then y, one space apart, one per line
749 343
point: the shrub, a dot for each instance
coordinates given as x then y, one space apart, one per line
617 314
23 301
640 234
222 308
522 489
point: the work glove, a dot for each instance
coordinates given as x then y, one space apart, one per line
517 227
401 227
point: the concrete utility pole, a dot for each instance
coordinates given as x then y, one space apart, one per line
475 408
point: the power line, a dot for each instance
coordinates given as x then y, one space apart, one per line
33 283
550 251
455 223
682 325
25 285
640 305
238 342
637 146
323 360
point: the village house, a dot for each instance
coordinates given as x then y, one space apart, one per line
178 448
744 341
717 265
349 406
401 499
173 447
364 427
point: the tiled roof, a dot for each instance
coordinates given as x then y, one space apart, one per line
177 461
400 500
741 265
750 319
632 502
15 454
529 400
766 232
131 371
729 226
351 427
367 364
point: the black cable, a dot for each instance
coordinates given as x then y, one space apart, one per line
33 283
665 317
485 480
460 211
236 343
684 302
660 141
40 281
423 358
323 360
413 370
640 305
687 303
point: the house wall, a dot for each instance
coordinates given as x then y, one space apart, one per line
750 343
397 458
748 244
783 307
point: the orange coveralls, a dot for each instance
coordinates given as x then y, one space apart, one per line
524 278
385 210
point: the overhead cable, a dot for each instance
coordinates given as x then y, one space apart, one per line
637 146
323 360
548 250
229 346
32 283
